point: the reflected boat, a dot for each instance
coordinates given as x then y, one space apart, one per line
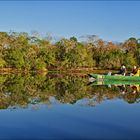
114 82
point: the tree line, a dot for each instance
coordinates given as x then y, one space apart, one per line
29 52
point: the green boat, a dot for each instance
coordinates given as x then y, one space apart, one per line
115 77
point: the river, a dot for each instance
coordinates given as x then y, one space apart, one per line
61 106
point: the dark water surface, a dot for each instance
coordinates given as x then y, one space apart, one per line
66 107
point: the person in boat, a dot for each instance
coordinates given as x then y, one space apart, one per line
122 70
135 72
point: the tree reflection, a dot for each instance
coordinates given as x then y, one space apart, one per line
21 90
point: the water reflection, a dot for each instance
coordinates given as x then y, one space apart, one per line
22 90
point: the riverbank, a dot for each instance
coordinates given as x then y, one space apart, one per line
62 70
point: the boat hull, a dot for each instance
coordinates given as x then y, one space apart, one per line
115 77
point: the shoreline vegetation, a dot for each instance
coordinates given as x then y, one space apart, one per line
76 71
21 52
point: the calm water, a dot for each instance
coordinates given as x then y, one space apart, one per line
66 107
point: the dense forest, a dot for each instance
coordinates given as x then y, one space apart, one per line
30 52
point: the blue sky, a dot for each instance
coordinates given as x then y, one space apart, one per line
110 20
